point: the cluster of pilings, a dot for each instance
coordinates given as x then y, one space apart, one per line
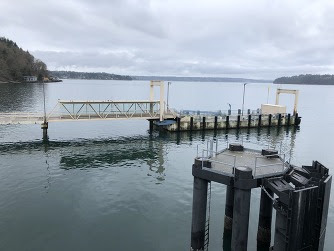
300 197
193 123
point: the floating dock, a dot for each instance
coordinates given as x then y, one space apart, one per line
300 196
198 122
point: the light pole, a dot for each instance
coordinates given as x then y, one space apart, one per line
168 94
243 100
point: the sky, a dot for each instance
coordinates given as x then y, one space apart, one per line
262 39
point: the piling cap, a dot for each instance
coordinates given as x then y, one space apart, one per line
235 147
243 172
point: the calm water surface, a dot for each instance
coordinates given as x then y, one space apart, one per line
112 185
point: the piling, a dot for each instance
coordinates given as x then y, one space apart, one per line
249 120
44 127
238 122
227 122
269 122
241 208
203 127
151 125
296 119
191 123
289 118
259 123
200 190
216 121
178 120
265 216
229 208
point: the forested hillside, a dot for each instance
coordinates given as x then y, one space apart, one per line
307 79
16 63
88 75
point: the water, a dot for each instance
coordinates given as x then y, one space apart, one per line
111 185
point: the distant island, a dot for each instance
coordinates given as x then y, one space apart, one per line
201 79
307 79
17 65
88 75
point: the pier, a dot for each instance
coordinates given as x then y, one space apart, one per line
300 196
158 114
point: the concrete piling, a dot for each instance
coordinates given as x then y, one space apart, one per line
216 121
151 125
269 122
228 219
227 122
200 190
191 123
241 208
289 118
265 216
238 122
44 127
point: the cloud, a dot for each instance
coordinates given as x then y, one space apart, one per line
260 38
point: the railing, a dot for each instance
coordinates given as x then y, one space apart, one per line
209 155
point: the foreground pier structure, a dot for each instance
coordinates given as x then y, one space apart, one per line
300 196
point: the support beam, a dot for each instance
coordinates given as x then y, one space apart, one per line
265 216
241 209
200 190
228 219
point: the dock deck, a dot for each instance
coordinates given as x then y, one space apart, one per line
226 161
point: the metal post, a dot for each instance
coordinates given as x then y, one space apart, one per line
168 94
243 99
265 215
241 208
200 190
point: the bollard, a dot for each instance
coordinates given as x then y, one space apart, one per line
241 208
200 190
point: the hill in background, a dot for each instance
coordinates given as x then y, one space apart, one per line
88 75
16 63
307 79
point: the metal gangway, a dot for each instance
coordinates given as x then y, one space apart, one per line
80 110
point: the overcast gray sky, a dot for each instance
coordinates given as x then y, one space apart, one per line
237 38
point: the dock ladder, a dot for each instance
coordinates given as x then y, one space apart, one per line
207 222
